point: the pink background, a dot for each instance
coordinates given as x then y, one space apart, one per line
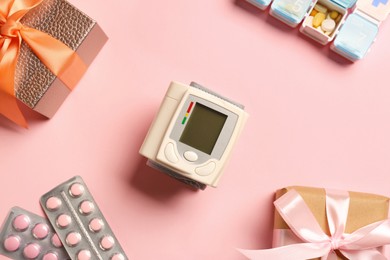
316 120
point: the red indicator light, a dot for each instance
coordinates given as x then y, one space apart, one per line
190 107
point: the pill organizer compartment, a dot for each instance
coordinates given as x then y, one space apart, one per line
360 29
355 37
262 4
333 14
290 12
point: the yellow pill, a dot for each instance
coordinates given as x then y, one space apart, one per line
318 19
338 18
333 14
313 12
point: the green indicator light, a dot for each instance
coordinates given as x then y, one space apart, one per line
184 120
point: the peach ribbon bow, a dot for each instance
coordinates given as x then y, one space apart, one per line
360 245
61 60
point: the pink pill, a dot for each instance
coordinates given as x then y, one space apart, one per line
50 256
76 190
118 257
55 240
84 255
53 203
63 221
96 225
73 238
12 243
21 222
40 231
32 251
107 242
86 207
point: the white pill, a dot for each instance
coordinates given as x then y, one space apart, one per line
321 8
309 21
328 25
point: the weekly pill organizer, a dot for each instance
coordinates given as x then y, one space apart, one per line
351 25
193 134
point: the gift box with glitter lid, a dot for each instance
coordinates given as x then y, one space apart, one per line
34 83
315 223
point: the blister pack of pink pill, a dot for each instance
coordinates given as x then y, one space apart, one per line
79 222
25 235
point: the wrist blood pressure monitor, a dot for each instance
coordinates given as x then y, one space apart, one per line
193 134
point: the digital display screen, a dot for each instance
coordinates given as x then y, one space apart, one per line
203 128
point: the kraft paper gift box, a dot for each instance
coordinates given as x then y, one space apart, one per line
364 209
35 85
313 223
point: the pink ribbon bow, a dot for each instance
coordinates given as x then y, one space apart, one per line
360 245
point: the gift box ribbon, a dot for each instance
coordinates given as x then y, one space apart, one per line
359 245
61 60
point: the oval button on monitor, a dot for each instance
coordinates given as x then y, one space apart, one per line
191 156
170 154
206 169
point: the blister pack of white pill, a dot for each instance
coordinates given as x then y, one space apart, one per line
79 222
25 235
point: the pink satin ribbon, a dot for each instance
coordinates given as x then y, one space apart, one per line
61 60
359 245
